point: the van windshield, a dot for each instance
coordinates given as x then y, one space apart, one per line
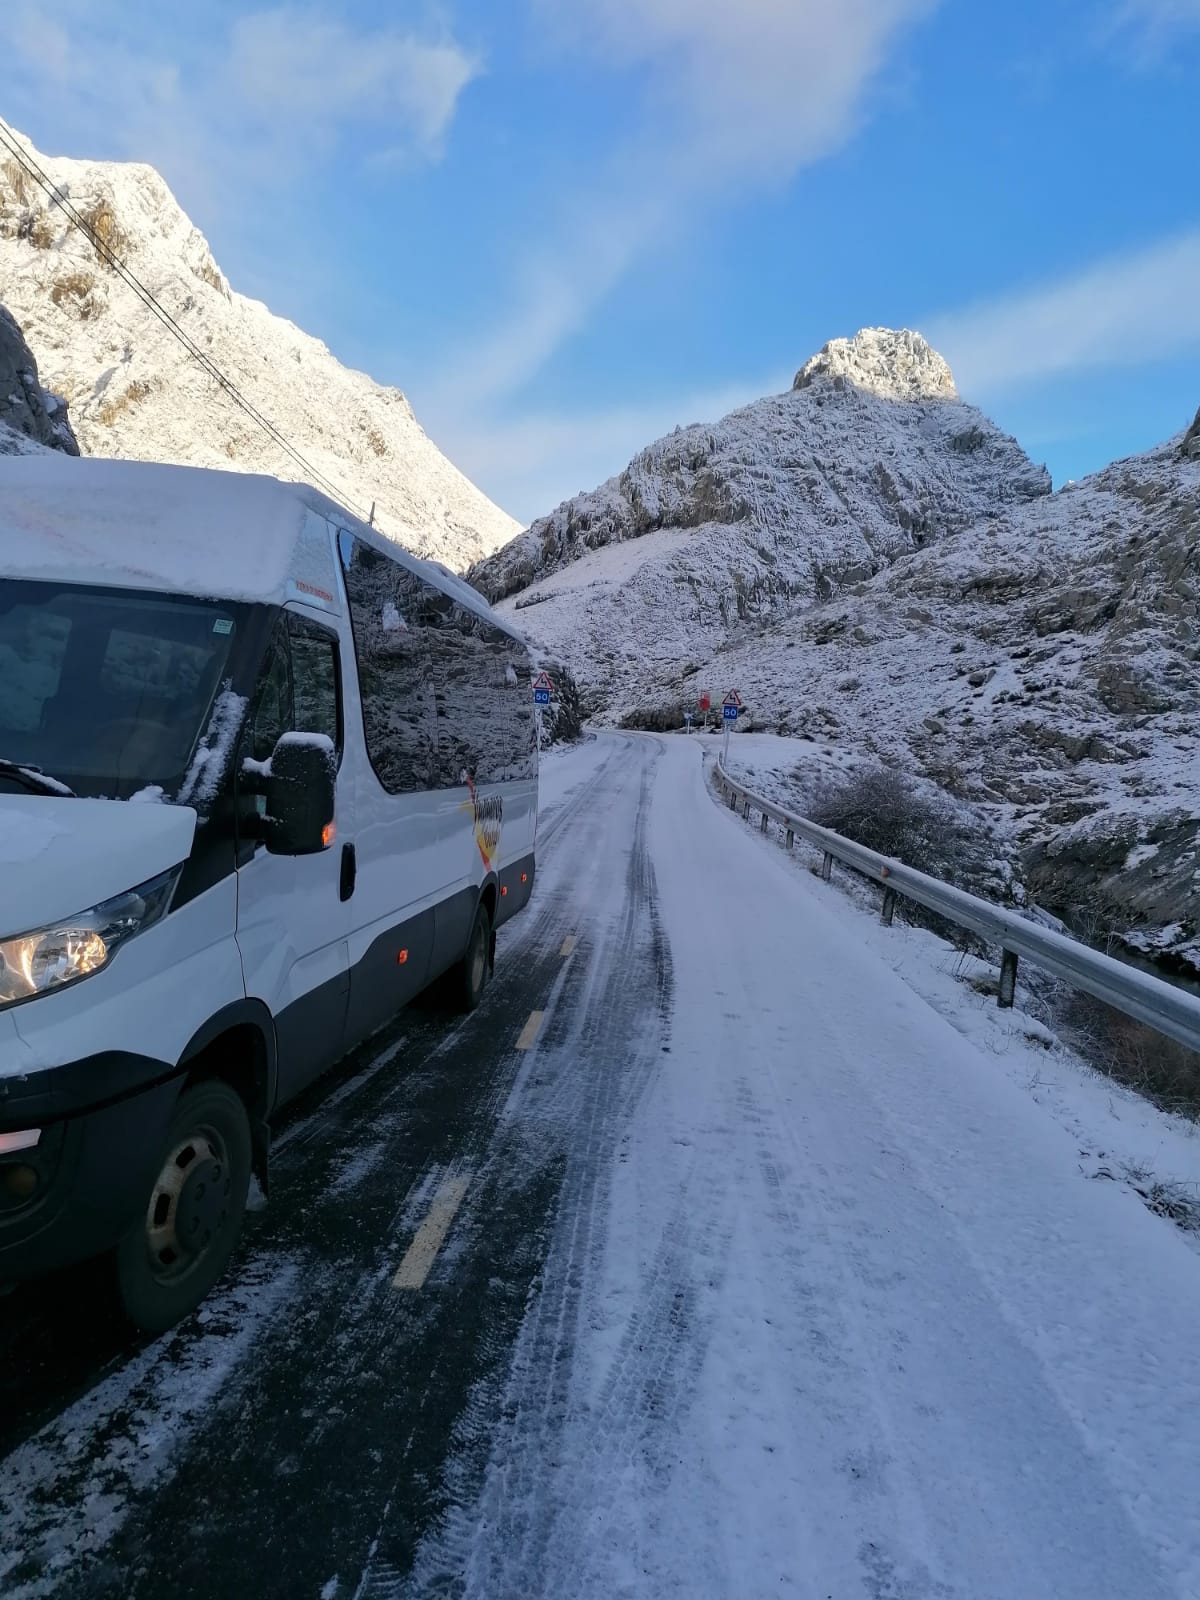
106 693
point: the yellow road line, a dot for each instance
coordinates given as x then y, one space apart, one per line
430 1236
531 1030
568 945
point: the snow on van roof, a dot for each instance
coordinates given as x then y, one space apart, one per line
187 530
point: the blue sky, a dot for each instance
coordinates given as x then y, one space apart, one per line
564 226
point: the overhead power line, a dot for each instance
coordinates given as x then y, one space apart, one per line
10 142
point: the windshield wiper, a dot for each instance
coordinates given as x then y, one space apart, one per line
35 780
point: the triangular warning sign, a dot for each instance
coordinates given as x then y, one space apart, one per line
542 681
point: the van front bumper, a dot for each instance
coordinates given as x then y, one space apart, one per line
102 1122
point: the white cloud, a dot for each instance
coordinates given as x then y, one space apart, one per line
1161 15
1122 312
231 99
314 75
728 98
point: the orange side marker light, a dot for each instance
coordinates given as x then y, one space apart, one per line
401 957
328 834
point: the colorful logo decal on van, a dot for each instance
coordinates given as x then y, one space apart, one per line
488 817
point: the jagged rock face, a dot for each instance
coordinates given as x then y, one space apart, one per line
791 497
1191 441
135 392
723 527
26 409
894 364
1042 664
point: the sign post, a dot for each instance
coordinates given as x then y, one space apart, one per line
730 711
542 689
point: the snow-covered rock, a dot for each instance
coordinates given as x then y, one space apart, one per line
135 391
26 409
722 526
894 364
879 570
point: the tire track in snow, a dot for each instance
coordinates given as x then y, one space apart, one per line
594 1060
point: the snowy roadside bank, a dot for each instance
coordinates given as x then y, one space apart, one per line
1122 1135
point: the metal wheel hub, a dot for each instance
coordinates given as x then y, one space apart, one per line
189 1203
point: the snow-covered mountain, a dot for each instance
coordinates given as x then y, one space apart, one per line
868 458
875 566
134 391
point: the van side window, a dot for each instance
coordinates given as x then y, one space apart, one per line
316 700
273 703
485 707
393 625
299 687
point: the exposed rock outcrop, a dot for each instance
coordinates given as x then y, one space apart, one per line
27 409
896 364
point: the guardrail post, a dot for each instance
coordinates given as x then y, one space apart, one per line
1008 979
763 826
889 907
732 800
746 809
791 838
827 866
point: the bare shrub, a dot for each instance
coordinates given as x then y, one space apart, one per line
108 238
1133 1053
73 291
130 396
37 229
882 809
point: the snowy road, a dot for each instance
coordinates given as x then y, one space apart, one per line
764 1281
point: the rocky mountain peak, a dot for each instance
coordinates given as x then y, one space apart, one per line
1191 441
896 364
136 392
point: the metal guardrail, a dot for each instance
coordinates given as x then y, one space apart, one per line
1152 1000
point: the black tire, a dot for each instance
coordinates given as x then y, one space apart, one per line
180 1246
467 981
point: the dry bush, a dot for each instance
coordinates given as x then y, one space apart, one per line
131 395
17 181
881 809
109 238
73 291
1133 1053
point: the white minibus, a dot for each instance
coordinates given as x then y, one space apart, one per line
264 776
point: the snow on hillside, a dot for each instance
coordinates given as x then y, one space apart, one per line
1042 664
777 506
13 443
135 392
882 572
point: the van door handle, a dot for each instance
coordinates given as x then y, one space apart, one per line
349 871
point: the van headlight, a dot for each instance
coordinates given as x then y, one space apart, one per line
64 952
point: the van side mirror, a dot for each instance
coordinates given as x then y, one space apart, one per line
300 795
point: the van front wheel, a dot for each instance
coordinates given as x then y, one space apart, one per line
182 1243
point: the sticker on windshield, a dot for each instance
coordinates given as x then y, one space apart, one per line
223 625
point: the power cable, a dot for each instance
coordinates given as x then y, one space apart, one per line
10 142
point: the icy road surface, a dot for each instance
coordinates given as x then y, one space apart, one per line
730 1269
